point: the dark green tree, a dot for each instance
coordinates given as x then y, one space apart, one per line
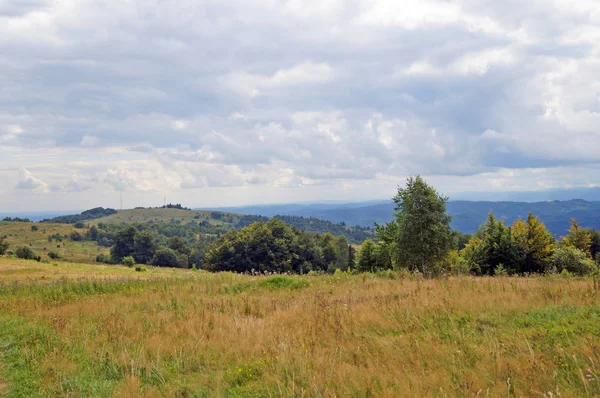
178 244
341 253
351 257
92 233
367 257
165 258
145 247
492 245
383 254
123 244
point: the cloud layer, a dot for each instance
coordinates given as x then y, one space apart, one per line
214 102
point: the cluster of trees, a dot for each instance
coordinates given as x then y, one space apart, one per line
92 214
144 246
420 239
16 219
275 246
528 247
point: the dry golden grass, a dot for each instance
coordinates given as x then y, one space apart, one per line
185 333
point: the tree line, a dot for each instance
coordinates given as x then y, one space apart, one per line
418 239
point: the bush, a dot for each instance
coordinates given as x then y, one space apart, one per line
77 237
140 269
500 270
128 261
573 260
103 258
26 253
53 255
34 228
165 258
3 245
79 224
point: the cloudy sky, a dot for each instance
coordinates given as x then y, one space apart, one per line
215 103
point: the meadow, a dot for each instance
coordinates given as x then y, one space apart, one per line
90 330
21 234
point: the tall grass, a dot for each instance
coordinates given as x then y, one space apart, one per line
232 335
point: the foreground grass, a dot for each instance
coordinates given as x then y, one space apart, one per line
183 333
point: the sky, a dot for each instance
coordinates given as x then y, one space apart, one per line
222 103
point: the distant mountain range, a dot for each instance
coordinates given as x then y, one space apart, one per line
466 215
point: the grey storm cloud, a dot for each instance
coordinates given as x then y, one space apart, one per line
154 95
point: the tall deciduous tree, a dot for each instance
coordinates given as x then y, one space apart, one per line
423 236
578 238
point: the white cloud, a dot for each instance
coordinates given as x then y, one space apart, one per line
210 98
28 182
253 85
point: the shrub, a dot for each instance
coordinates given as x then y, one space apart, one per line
573 260
103 258
77 237
128 261
79 224
3 245
34 228
26 253
140 269
53 255
500 270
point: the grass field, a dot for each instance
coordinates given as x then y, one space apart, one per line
90 330
20 234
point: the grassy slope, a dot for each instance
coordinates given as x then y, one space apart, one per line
185 333
20 234
164 215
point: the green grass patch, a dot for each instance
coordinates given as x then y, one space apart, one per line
272 283
22 347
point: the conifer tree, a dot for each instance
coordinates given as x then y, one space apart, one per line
578 238
537 242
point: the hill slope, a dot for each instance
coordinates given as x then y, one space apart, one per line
21 234
228 221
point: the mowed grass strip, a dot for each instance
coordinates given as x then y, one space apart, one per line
198 334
